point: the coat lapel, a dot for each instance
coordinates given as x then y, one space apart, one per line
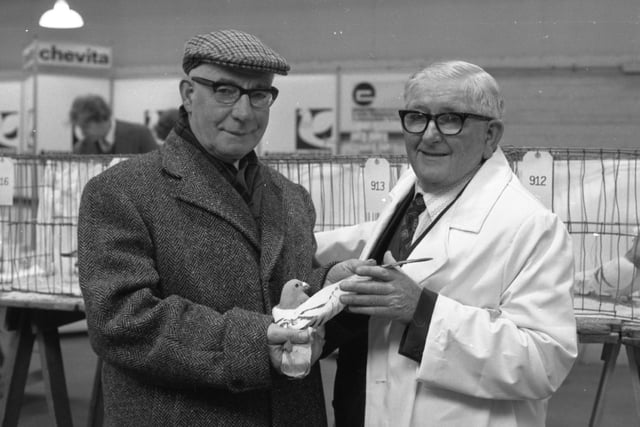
272 224
196 181
467 214
396 196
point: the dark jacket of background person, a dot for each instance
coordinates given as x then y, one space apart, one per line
129 138
174 318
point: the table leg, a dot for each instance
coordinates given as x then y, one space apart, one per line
54 380
96 408
16 370
610 353
633 356
29 324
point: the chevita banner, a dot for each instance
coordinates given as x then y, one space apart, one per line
73 55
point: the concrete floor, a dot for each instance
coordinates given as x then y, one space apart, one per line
569 407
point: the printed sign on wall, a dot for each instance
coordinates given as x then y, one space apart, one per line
68 55
9 126
315 129
371 102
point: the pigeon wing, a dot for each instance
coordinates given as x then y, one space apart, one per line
321 307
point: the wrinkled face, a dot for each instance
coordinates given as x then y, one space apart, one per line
228 132
93 131
440 161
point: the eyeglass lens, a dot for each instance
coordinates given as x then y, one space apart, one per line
446 123
227 94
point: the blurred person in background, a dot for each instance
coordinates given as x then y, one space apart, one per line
166 119
98 132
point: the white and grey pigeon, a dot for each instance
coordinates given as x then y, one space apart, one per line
310 312
296 358
299 311
617 278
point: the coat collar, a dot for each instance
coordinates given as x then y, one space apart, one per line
471 209
468 213
196 181
484 189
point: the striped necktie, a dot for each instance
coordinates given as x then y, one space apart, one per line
409 224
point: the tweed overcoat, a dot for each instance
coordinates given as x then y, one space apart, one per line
179 284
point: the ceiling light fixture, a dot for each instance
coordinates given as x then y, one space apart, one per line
61 16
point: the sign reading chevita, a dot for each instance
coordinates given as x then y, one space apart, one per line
67 55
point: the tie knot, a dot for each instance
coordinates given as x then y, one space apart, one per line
417 205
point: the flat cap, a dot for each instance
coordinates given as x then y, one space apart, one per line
234 49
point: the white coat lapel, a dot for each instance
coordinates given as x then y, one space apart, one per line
396 196
468 213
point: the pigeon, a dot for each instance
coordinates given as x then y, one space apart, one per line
296 358
615 278
311 312
294 293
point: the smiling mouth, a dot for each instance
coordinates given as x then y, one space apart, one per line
237 133
431 154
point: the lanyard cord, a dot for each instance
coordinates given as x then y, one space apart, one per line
440 215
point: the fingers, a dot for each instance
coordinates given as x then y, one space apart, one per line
388 258
370 311
353 300
364 285
375 272
279 335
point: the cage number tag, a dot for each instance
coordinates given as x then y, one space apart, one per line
6 181
536 173
377 179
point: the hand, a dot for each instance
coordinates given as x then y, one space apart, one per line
345 269
388 293
317 344
280 339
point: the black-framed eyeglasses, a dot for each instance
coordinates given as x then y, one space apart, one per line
229 93
449 124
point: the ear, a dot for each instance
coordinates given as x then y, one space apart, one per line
495 128
186 93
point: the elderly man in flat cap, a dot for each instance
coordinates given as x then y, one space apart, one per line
183 253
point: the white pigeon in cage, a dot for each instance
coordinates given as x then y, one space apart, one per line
618 278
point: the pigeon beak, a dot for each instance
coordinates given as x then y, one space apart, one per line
305 287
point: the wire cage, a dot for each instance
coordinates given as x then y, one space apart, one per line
38 231
595 192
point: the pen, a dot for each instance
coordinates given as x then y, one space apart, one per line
406 261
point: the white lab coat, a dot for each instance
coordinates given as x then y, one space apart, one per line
503 335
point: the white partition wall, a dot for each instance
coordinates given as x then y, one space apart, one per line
55 73
139 99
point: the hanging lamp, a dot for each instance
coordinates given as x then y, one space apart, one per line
61 16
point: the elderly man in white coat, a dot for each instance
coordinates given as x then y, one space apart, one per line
484 332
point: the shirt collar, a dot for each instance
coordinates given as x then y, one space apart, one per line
111 135
437 201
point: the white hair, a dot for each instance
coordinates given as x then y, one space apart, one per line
480 88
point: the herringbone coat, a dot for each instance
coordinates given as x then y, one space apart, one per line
179 284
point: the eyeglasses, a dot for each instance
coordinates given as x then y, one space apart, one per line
229 93
449 124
